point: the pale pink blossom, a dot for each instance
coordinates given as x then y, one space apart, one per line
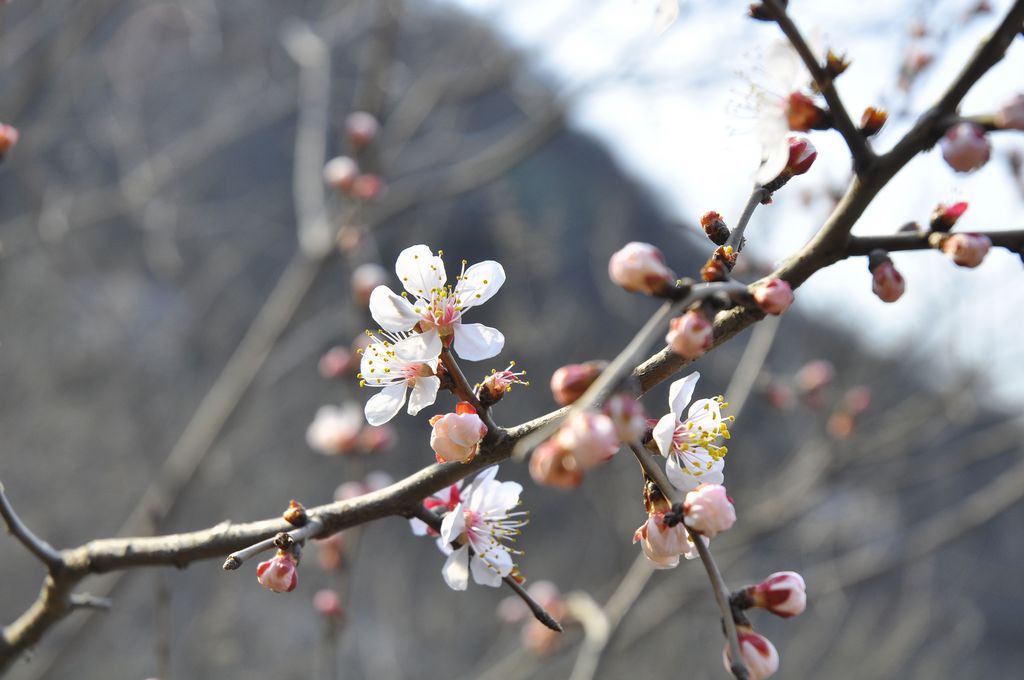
335 429
773 296
708 510
456 436
965 147
689 335
1010 115
362 128
758 654
327 603
967 250
399 363
8 138
368 186
336 362
627 415
436 308
784 594
887 283
551 465
591 438
377 438
279 573
340 173
640 267
481 523
689 439
365 278
662 544
570 382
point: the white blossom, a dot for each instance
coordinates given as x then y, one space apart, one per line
399 362
690 441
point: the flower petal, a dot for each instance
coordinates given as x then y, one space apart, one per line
489 568
422 347
663 433
680 477
476 342
456 569
453 524
480 283
418 526
382 407
680 392
393 312
420 271
424 393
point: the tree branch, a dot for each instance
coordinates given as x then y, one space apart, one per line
863 245
43 551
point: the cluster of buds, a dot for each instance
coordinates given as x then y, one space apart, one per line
707 511
966 250
965 148
718 266
498 383
783 594
640 268
886 282
456 437
690 335
8 138
773 296
337 430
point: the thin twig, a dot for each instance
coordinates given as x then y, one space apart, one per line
736 235
313 527
87 601
863 245
35 545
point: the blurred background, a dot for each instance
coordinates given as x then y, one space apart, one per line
170 281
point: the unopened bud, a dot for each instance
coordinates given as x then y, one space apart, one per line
783 594
758 655
945 216
967 250
279 573
640 267
801 155
456 437
689 335
714 226
804 115
591 438
551 465
367 187
340 173
8 138
965 147
627 415
718 266
708 510
328 604
1010 115
873 120
835 64
570 382
295 514
773 296
365 278
351 237
362 128
377 438
335 429
335 363
886 282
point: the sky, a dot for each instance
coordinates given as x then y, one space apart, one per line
675 108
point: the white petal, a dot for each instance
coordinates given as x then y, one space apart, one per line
392 312
453 524
382 407
419 348
480 283
420 271
482 477
680 392
679 477
663 433
418 526
505 496
424 392
456 569
476 342
775 156
488 570
706 413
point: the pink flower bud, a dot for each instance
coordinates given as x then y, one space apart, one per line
351 237
328 604
1011 114
570 382
377 438
279 573
783 594
640 267
663 544
708 510
340 173
335 363
335 429
627 415
967 250
945 216
367 187
8 138
689 335
887 283
758 655
551 465
365 278
590 437
965 147
773 296
815 375
362 128
801 155
456 436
